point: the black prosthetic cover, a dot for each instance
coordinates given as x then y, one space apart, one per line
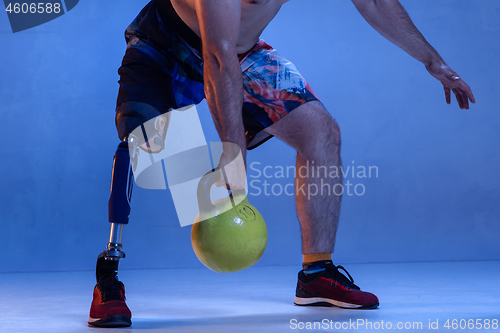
105 267
121 186
130 115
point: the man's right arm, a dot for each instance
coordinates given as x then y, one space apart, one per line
219 22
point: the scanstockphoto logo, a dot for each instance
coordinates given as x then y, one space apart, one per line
322 180
25 15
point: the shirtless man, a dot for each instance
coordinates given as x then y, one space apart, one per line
181 51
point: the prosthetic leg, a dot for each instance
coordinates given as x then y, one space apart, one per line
108 307
118 210
143 120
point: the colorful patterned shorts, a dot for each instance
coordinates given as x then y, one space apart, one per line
163 70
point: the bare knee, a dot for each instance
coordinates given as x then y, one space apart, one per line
324 141
321 134
334 133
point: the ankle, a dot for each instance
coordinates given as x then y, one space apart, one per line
319 262
313 257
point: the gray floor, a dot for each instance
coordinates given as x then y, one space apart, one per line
259 299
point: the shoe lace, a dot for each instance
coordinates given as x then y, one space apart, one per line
341 278
111 289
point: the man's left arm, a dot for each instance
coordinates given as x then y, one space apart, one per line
391 20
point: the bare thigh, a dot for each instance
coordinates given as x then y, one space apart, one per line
308 129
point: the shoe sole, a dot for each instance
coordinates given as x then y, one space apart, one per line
320 301
111 321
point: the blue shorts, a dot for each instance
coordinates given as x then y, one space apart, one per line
163 67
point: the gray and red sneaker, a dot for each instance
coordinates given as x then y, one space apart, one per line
108 307
330 287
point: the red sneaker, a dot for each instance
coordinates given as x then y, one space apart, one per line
108 307
330 287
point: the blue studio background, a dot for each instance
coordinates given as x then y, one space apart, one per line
436 197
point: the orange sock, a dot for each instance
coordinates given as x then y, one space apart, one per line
308 258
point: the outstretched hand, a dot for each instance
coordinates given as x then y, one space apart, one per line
452 82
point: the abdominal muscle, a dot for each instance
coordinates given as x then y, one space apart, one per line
255 16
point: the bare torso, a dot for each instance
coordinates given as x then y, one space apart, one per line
255 16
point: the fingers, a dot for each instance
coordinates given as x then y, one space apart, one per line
462 92
452 82
221 184
447 94
459 98
231 179
222 181
462 98
467 91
